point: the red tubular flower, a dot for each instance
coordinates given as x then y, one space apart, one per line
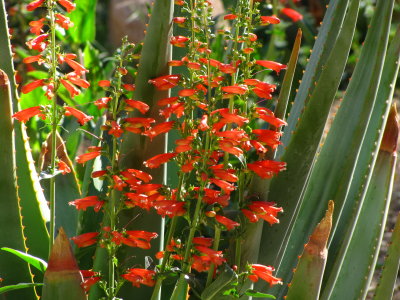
115 129
229 146
258 146
89 278
78 68
97 174
228 223
32 85
145 177
203 126
36 26
129 87
179 20
292 14
268 116
178 109
30 59
119 184
102 102
85 239
34 4
75 79
203 241
25 114
73 91
165 82
175 63
63 167
82 117
230 17
136 104
140 234
187 92
136 123
277 67
69 6
264 90
104 83
158 160
266 168
224 185
166 101
170 208
140 276
265 20
86 202
39 43
179 41
159 129
265 273
226 174
235 134
63 21
269 137
194 65
136 199
81 159
248 50
227 68
251 216
215 257
235 89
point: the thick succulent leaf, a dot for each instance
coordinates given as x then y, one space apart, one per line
33 204
387 281
362 252
307 278
333 170
37 262
326 39
13 270
286 88
363 171
287 187
62 276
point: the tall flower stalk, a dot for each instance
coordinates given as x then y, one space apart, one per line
52 57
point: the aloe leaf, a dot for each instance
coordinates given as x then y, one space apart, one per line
33 204
287 187
13 270
326 39
62 277
363 171
307 279
387 281
332 173
18 286
362 252
37 262
225 279
283 99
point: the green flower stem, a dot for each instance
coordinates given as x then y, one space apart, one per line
54 123
217 238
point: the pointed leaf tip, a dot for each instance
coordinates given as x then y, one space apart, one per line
320 236
391 134
61 257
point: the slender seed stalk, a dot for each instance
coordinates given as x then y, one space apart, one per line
54 123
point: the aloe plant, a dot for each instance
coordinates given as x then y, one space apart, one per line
351 164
